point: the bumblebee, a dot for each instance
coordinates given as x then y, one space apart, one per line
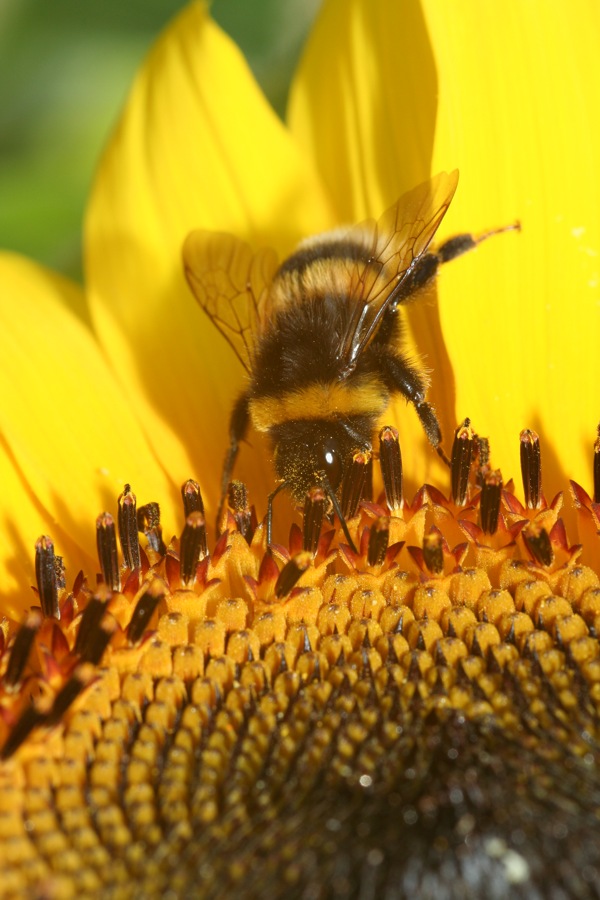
320 335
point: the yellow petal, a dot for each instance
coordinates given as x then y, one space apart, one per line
197 146
363 102
68 439
518 113
363 105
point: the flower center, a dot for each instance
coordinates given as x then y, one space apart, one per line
254 716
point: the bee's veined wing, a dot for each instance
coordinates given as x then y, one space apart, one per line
230 281
389 249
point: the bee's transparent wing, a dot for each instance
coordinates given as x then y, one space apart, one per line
230 281
389 249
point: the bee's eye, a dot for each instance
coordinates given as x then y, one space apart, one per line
331 463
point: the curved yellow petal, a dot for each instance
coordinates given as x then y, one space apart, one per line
364 105
363 102
518 113
68 440
197 146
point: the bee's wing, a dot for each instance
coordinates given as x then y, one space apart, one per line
389 248
230 281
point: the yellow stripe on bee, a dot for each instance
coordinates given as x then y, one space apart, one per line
322 277
320 401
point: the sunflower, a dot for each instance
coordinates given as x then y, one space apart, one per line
417 715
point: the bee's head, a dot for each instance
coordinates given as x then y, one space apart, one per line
306 449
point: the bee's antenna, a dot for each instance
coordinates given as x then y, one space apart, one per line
336 506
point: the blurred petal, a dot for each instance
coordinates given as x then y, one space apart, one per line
518 113
363 105
197 146
68 442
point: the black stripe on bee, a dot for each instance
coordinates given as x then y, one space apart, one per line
317 251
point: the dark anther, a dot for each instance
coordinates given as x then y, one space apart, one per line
433 552
79 680
106 541
531 468
353 483
30 718
538 543
149 524
89 625
144 608
291 572
45 574
462 454
483 458
192 546
21 647
390 460
237 497
60 574
314 513
100 640
379 538
597 467
489 502
192 498
128 530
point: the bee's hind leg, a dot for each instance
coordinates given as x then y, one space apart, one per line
403 379
431 427
238 426
462 243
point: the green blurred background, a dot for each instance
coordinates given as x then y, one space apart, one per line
65 68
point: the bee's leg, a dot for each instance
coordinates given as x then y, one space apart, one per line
270 499
238 426
338 511
403 379
427 266
462 243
